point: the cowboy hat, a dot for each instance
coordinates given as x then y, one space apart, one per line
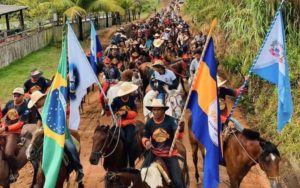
168 29
220 82
114 47
36 73
35 96
156 35
18 90
158 63
126 88
158 42
157 103
135 54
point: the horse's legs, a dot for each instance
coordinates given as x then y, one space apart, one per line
35 165
195 160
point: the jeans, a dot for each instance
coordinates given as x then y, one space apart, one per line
73 154
130 143
162 96
172 166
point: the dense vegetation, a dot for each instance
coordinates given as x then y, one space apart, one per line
241 30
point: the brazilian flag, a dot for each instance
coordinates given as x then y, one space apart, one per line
54 121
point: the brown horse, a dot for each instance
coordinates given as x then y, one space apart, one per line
136 178
108 144
21 157
34 153
246 149
195 145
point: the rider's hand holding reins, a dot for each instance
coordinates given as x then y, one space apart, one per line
148 145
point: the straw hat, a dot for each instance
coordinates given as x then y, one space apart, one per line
135 54
156 35
158 63
35 96
18 90
157 103
220 82
36 73
126 88
158 42
114 47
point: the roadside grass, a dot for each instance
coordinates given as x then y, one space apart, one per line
18 72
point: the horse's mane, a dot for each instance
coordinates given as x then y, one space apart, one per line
251 134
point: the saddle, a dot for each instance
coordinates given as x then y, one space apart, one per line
162 168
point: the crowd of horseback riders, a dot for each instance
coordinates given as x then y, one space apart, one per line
160 53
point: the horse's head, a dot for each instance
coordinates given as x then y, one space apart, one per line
36 145
99 143
269 162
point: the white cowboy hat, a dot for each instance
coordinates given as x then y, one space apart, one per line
126 88
157 103
35 96
156 35
158 42
220 82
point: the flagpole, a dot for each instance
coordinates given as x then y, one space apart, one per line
253 64
209 36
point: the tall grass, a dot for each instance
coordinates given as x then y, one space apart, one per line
242 28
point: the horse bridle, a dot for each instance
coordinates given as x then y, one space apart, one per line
101 152
275 178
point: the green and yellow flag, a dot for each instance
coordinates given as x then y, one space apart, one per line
54 121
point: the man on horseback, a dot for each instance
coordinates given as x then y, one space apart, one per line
162 80
36 83
158 136
112 76
16 115
36 103
124 106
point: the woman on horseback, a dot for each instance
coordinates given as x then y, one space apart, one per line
159 133
124 106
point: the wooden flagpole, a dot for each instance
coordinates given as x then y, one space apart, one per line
212 27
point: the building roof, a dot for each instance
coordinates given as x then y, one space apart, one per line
6 9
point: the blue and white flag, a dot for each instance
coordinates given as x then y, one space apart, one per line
81 76
271 64
96 48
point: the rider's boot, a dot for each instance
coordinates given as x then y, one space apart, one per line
12 163
74 158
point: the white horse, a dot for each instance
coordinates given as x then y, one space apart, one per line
174 101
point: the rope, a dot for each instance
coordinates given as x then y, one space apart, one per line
253 64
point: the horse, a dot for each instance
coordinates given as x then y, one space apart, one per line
242 150
34 152
108 144
21 159
153 176
174 101
195 145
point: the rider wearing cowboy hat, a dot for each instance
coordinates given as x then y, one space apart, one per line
112 76
162 79
124 106
159 133
16 115
36 82
36 103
